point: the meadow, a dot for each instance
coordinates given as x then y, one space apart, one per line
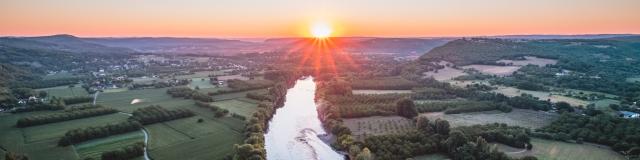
511 92
520 117
94 148
240 107
556 150
65 91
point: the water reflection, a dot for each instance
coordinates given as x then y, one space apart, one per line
293 131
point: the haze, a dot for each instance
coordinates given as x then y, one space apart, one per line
286 18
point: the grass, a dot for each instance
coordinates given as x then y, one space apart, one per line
94 148
236 106
511 92
517 117
12 139
378 125
200 83
556 150
161 135
211 139
57 130
65 91
122 100
214 146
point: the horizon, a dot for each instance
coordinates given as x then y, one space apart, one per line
296 37
286 18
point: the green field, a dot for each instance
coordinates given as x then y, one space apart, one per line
40 142
201 74
237 106
211 139
94 148
122 100
556 150
200 83
57 130
65 91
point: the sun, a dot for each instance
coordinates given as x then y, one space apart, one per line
321 30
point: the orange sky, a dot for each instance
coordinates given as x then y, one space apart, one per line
285 18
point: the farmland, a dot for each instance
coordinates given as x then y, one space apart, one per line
377 125
546 149
517 117
94 148
65 91
237 106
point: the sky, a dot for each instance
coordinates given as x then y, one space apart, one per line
293 18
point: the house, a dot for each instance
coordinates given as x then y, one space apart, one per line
627 114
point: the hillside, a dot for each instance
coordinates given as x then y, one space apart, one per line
178 45
597 57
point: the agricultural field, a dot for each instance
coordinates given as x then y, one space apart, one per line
556 150
493 69
94 148
57 130
201 83
60 75
445 74
145 97
200 74
210 139
65 91
530 60
243 108
40 142
511 92
380 91
518 117
378 125
228 77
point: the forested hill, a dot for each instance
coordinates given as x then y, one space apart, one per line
619 57
59 43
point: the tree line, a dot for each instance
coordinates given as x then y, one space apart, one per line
218 112
154 114
64 116
79 135
128 152
188 93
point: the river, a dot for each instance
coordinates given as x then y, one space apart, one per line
294 129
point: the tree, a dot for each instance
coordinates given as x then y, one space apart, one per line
42 94
406 108
364 155
442 126
564 107
456 139
423 124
